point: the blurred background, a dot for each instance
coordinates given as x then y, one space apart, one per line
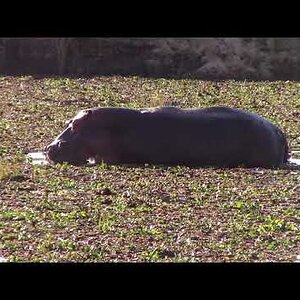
199 58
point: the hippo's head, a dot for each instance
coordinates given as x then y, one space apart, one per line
71 146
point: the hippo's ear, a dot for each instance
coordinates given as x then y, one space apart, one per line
68 122
80 119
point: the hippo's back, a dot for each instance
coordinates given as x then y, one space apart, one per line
219 136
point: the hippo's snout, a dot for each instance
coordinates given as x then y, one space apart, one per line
62 151
52 150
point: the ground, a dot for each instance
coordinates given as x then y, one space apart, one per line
107 213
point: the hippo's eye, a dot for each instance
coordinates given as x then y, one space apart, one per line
62 144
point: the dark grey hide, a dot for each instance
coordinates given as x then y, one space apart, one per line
216 136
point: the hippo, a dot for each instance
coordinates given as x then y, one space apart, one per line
214 136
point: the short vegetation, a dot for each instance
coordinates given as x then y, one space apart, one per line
109 213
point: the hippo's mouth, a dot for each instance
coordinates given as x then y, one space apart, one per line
62 152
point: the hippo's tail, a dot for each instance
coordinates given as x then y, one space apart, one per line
285 153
